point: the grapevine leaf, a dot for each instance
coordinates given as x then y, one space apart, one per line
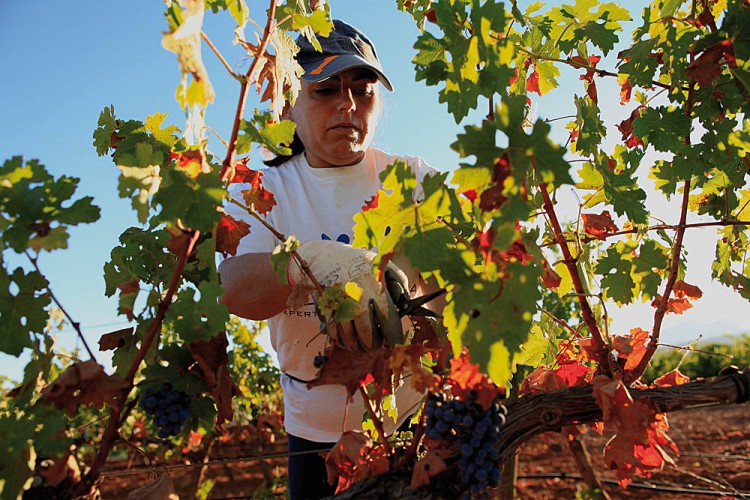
194 201
281 255
493 321
23 300
600 226
237 8
198 319
229 233
262 129
468 378
83 383
185 41
591 129
256 196
640 441
431 464
212 359
631 347
675 377
355 458
18 457
354 369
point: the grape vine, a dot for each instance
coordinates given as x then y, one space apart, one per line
528 284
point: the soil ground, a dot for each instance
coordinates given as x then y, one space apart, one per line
714 461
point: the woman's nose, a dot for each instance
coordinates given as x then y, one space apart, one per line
346 100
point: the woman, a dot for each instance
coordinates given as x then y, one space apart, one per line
330 175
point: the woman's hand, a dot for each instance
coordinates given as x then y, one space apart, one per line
376 319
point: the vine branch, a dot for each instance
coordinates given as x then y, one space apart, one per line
75 324
599 345
111 433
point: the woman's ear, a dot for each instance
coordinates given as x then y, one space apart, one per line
286 112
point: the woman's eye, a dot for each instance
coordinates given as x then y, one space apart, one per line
363 92
325 91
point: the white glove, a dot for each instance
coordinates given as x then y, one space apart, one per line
376 318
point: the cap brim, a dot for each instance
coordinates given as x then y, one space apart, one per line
319 69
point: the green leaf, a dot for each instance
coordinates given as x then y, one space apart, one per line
18 457
23 299
276 137
664 128
281 255
198 319
494 319
630 271
237 8
591 128
192 200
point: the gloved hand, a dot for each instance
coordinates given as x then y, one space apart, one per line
377 318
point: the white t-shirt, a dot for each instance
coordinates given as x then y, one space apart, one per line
315 204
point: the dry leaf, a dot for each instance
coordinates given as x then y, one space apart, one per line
83 383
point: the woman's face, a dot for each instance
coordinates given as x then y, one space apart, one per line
336 118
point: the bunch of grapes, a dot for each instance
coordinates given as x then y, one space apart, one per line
477 432
168 408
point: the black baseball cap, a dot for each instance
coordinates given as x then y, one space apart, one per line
344 48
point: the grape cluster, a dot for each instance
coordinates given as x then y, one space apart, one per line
168 408
477 433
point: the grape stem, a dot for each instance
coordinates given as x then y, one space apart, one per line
376 421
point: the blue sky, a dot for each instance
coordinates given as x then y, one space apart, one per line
63 62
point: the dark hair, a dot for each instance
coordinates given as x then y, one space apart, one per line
296 146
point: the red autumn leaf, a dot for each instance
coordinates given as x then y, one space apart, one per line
129 287
493 197
631 347
355 458
682 289
550 279
568 373
471 194
229 232
467 377
672 378
600 226
708 66
371 203
638 446
353 369
587 350
589 75
431 464
626 91
626 129
212 359
683 294
408 360
256 196
532 82
191 162
431 16
83 383
572 373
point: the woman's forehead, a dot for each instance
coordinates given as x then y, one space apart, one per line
352 74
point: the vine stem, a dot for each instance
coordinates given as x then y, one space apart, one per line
75 324
225 170
722 223
376 421
661 310
111 433
218 54
599 344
